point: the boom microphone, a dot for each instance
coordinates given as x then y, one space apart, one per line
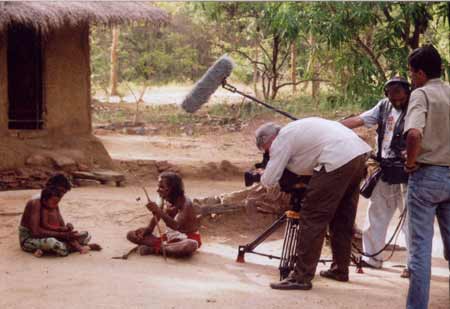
209 83
211 80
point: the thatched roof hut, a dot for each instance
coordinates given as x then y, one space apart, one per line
45 100
48 16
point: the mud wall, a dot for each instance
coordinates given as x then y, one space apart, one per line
67 114
78 152
67 82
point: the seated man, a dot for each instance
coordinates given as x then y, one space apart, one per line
182 237
42 228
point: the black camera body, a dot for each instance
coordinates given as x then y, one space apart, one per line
289 182
250 177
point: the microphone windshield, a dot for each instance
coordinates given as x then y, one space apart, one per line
209 83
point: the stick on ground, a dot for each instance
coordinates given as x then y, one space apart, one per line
126 255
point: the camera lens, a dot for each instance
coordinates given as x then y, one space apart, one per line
251 177
248 178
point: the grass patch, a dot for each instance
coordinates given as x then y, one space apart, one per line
298 106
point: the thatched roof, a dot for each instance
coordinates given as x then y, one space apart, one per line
46 16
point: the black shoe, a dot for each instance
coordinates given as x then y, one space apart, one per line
291 284
331 274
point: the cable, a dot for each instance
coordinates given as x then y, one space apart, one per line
394 235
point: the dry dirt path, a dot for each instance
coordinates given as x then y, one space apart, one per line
235 147
211 279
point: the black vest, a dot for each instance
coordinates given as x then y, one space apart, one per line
398 142
392 170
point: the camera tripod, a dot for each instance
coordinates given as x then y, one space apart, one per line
288 253
296 186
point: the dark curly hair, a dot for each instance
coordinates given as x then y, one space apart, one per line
175 184
59 180
49 192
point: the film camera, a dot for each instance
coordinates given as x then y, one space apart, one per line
289 182
250 177
296 186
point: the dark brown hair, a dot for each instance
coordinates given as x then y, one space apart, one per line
175 184
427 59
47 193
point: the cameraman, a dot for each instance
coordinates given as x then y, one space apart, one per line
335 157
387 196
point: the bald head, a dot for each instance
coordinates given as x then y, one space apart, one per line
266 133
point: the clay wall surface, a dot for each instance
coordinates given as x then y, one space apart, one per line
67 82
63 154
66 96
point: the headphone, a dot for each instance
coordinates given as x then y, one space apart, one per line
397 80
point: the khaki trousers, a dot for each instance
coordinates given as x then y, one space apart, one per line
331 199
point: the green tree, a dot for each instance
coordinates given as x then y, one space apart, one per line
353 47
100 41
368 42
271 28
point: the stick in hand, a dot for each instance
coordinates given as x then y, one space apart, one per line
163 245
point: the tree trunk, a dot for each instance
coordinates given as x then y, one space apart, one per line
311 60
275 52
316 83
114 65
294 67
255 71
138 101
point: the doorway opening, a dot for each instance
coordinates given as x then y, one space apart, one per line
24 56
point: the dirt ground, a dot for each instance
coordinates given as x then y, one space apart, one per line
211 278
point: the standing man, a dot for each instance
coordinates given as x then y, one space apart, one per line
335 157
427 129
387 196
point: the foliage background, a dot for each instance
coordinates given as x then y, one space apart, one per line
337 54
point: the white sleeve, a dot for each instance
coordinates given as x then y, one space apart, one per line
370 117
280 153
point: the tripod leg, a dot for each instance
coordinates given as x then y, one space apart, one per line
284 260
288 254
252 245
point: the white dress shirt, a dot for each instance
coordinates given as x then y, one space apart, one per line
309 144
